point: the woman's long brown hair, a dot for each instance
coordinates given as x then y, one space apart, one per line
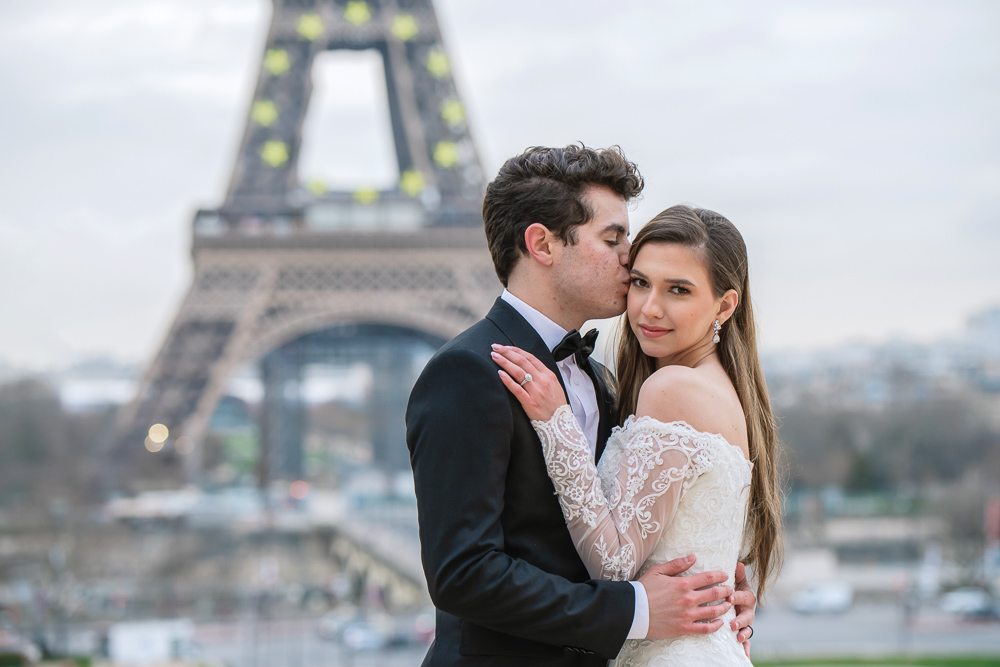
725 257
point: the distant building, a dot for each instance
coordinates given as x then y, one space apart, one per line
865 376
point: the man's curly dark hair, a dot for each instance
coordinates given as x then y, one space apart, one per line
545 185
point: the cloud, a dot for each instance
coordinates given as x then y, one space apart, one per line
855 145
829 24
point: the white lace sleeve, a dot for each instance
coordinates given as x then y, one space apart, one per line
615 532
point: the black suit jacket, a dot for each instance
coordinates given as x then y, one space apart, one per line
501 567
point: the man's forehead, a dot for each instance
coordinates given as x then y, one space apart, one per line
596 191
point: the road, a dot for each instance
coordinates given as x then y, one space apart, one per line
290 644
870 630
779 633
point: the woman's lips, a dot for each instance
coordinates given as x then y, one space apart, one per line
653 332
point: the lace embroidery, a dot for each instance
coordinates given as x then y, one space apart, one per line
624 513
670 463
571 466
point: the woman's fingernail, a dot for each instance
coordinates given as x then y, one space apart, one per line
495 346
494 354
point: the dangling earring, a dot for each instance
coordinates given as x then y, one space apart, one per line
718 327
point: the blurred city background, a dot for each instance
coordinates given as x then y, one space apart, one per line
233 231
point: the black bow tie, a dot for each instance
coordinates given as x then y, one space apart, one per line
575 344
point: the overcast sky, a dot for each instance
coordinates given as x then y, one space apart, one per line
855 144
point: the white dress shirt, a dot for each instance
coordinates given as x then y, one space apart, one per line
583 402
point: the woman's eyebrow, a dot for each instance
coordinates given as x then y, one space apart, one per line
669 281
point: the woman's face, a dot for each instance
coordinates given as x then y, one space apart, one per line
671 307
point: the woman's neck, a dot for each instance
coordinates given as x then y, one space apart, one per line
692 357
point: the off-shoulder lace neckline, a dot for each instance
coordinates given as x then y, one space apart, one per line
633 420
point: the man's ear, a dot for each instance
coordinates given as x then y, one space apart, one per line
540 242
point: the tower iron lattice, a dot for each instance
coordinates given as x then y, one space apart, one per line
279 261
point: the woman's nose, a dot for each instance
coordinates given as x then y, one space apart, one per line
650 308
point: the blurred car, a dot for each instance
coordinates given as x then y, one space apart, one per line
827 598
363 636
424 626
968 601
13 644
375 632
332 623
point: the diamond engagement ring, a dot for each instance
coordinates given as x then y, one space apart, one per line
526 380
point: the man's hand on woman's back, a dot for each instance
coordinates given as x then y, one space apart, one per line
679 605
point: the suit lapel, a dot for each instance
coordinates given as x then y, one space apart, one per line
522 335
605 405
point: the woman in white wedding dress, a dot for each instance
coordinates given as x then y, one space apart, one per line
691 469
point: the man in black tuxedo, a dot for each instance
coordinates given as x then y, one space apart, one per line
508 584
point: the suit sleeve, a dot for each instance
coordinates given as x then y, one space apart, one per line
459 431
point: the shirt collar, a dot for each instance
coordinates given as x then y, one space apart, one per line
550 332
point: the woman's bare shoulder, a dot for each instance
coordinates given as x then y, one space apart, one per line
692 395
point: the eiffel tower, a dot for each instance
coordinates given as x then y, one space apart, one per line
285 273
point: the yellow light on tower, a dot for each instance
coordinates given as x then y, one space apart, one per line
446 154
404 27
438 63
453 113
365 196
310 26
276 61
412 182
357 13
274 153
264 112
159 433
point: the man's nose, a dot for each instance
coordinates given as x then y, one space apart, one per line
623 253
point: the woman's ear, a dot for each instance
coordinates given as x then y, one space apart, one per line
727 306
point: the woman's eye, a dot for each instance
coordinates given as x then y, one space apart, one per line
677 289
638 282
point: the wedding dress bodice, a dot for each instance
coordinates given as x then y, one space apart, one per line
661 491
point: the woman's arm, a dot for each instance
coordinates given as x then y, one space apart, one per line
614 528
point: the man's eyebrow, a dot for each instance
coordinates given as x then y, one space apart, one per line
615 227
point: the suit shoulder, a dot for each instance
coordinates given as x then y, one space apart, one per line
469 351
476 340
461 377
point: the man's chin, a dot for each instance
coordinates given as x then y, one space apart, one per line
614 311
